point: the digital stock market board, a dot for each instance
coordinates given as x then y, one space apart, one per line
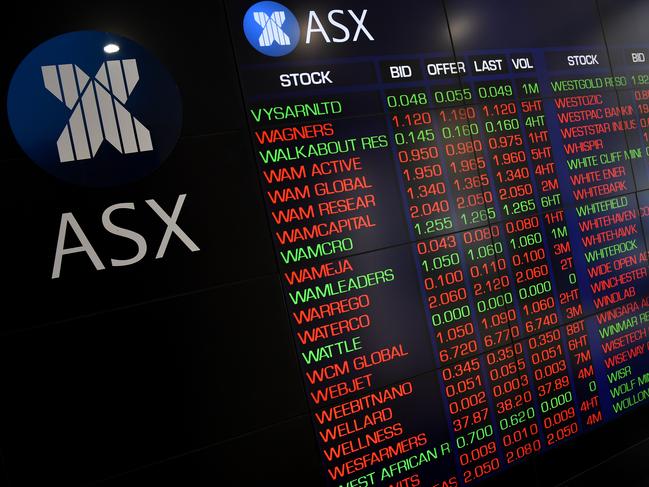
354 243
458 197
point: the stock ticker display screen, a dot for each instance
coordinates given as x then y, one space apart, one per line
459 203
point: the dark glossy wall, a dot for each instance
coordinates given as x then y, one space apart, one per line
181 371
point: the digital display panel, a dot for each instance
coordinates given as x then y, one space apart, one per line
460 221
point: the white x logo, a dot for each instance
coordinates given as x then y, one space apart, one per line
272 28
98 111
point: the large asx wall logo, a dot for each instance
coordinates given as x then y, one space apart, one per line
95 109
271 28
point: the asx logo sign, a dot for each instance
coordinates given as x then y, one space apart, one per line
273 29
108 129
61 116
